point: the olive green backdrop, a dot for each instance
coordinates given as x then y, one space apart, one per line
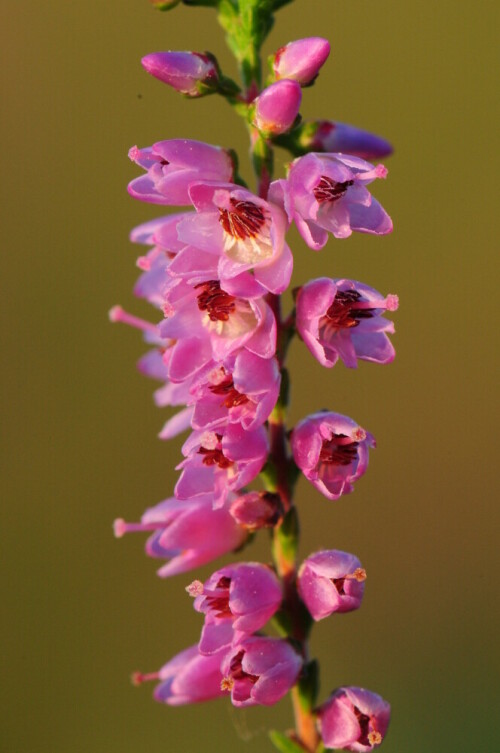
82 610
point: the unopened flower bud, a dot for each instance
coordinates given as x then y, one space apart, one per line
341 137
257 510
277 107
354 719
301 60
190 73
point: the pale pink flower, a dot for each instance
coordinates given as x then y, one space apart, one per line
241 230
190 677
326 193
260 671
188 535
345 318
221 461
173 165
237 600
331 581
354 719
332 452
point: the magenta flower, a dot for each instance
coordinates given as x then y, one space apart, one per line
243 390
189 677
331 581
217 463
332 452
240 231
173 165
237 600
301 60
260 671
345 318
354 719
190 73
209 323
277 107
257 510
327 193
341 137
188 535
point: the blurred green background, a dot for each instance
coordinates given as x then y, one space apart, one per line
81 610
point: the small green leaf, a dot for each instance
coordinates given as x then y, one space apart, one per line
286 537
283 743
269 477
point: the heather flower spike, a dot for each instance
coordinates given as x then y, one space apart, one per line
214 271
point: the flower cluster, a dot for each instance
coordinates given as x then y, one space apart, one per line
214 269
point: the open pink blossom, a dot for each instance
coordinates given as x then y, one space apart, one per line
173 165
260 671
345 318
354 719
326 193
188 535
243 390
221 461
331 581
237 600
242 231
301 59
210 323
332 452
189 677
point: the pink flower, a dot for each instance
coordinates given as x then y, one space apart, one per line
331 581
189 677
354 719
238 599
332 452
188 535
341 137
217 463
173 165
327 193
301 60
277 107
190 73
345 318
243 390
208 323
257 510
240 231
260 671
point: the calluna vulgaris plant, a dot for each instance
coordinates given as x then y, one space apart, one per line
216 271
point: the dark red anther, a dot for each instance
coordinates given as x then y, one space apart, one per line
232 397
244 220
214 457
330 190
216 302
343 312
336 451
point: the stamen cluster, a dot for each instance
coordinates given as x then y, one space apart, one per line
216 271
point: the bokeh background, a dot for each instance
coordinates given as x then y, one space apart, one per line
81 610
